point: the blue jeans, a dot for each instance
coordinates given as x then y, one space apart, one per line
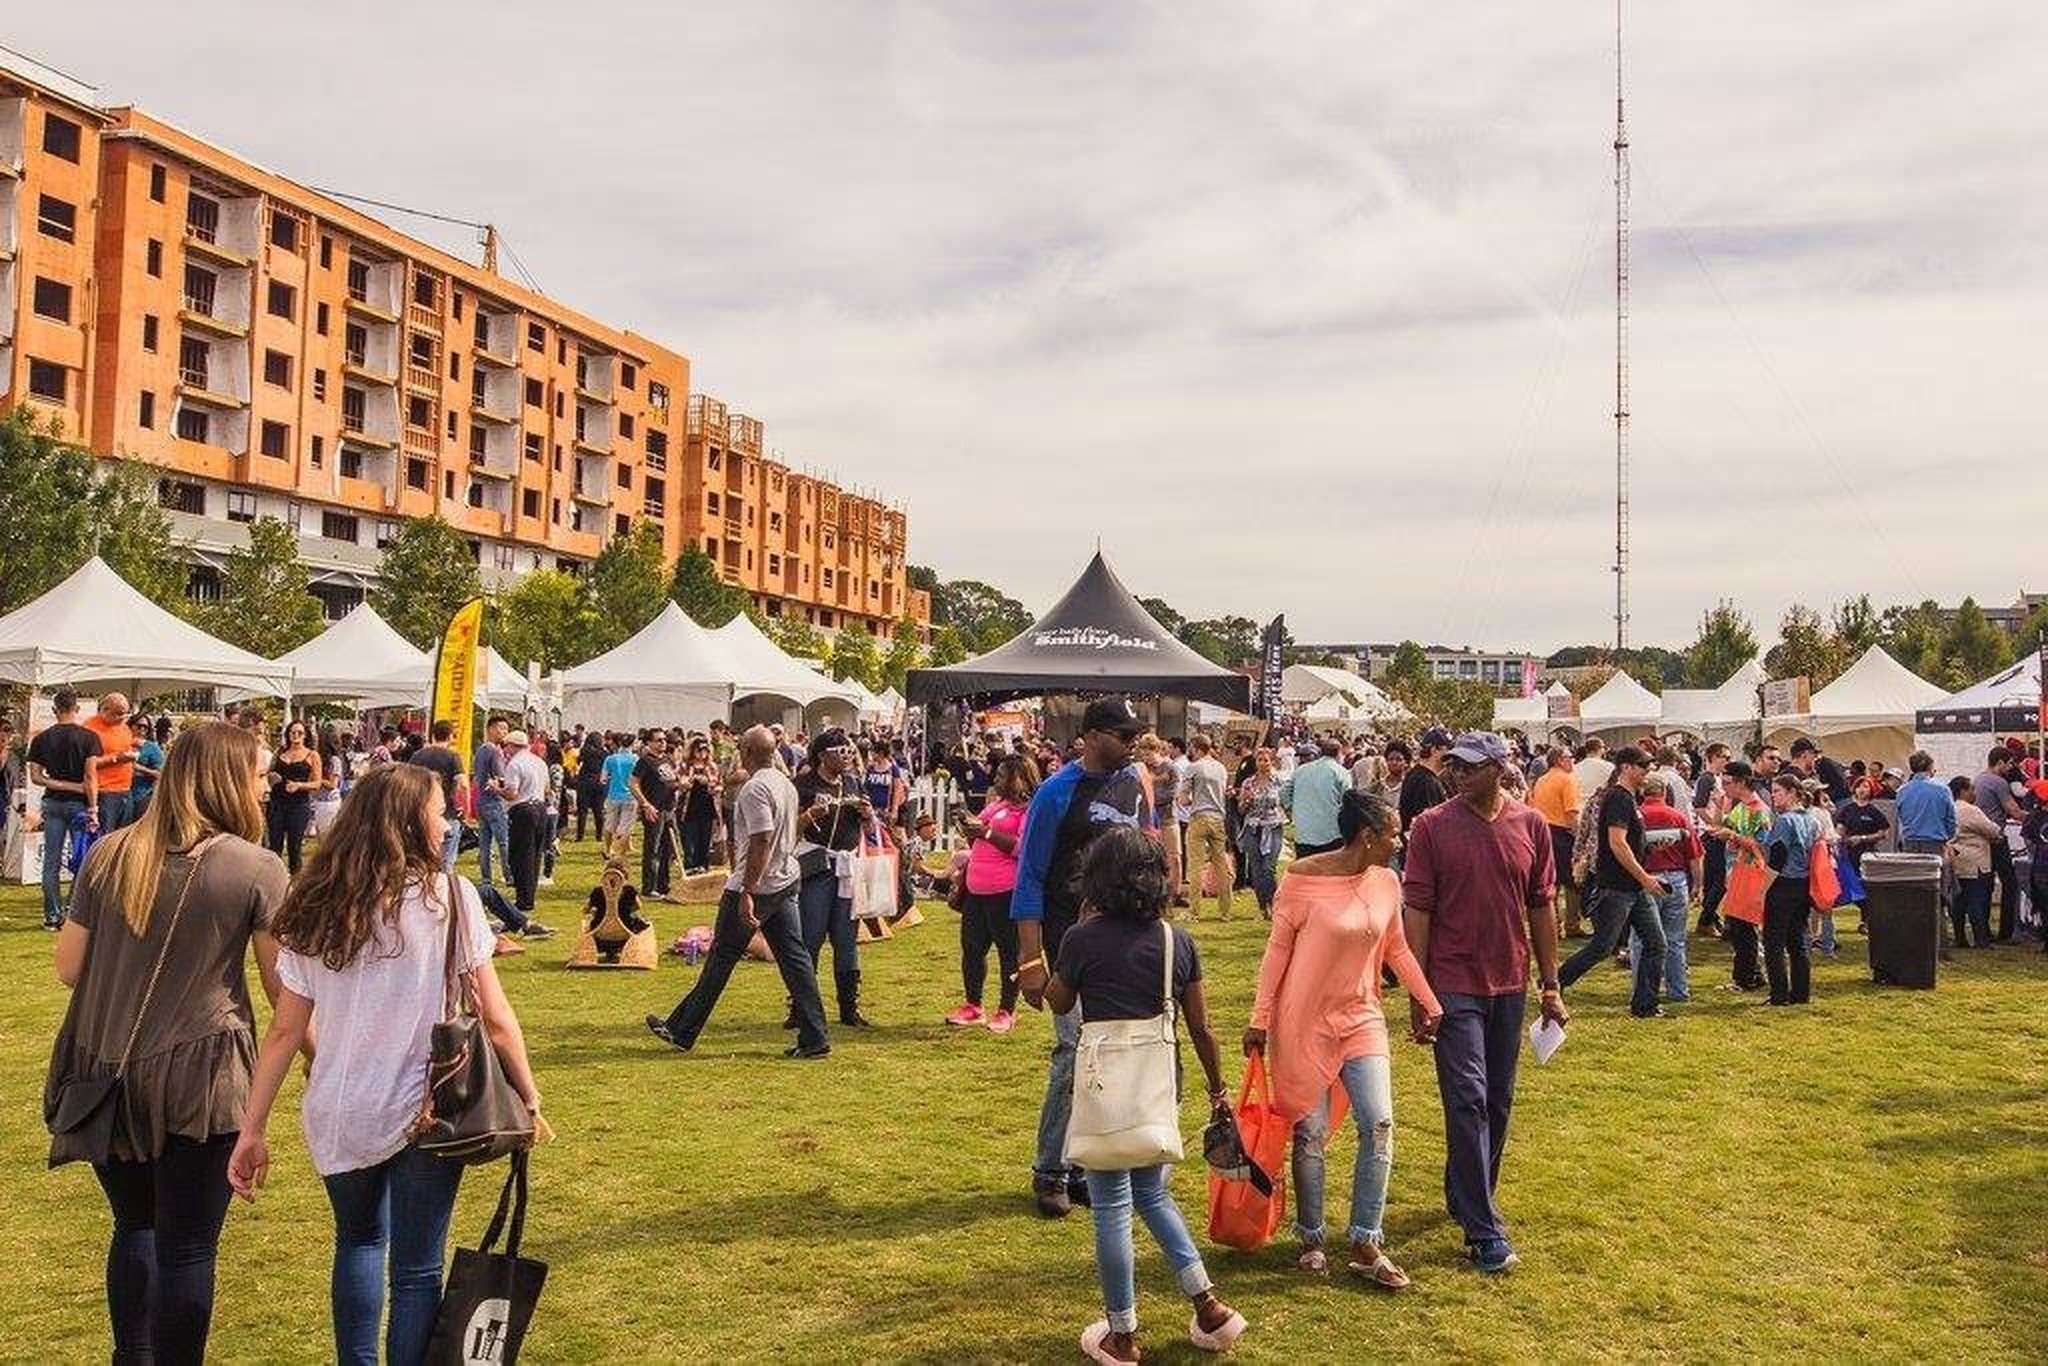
1260 846
451 844
1614 914
827 915
57 814
1369 1082
1058 1105
493 828
116 810
403 1204
1111 1196
1672 909
1478 1046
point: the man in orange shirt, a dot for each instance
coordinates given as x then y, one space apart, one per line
115 765
1556 798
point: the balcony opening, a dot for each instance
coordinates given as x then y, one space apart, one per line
358 280
202 218
355 344
193 358
193 425
352 405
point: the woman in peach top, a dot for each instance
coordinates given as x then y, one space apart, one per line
1317 1019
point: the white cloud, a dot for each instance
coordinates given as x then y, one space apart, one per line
1299 306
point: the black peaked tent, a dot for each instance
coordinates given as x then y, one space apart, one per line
1095 639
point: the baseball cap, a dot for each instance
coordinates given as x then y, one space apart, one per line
1477 747
518 737
1113 714
1436 737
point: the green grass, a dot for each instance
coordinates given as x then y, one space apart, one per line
1862 1180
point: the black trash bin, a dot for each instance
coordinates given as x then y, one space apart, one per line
1903 914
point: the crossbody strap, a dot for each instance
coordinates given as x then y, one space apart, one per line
1166 990
170 933
451 985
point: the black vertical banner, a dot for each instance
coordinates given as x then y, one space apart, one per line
1266 697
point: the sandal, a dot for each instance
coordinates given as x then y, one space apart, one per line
1314 1260
1381 1270
1092 1338
1219 1338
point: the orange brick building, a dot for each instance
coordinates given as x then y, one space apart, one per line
270 351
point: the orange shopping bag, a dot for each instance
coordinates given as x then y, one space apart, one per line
1823 883
1240 1214
1744 899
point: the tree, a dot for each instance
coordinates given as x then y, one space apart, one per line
428 572
266 604
795 636
1223 640
921 576
1805 648
541 619
1173 621
906 652
947 647
1724 644
697 588
60 505
1408 668
1912 635
855 655
984 616
1856 627
625 586
2033 632
1972 647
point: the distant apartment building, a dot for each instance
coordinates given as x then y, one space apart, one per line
269 351
1495 669
2009 619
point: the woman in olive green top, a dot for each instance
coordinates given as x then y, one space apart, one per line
154 949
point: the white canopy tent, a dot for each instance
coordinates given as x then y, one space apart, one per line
1867 713
772 685
499 686
351 658
1531 715
1620 708
1958 729
95 629
672 672
1340 694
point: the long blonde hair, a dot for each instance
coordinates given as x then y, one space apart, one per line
207 787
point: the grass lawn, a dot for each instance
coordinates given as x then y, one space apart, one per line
1862 1180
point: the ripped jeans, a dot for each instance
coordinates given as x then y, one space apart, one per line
1369 1083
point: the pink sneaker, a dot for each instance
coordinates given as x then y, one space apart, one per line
965 1015
1002 1022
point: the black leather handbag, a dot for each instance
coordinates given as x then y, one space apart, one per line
470 1113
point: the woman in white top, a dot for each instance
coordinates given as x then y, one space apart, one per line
364 935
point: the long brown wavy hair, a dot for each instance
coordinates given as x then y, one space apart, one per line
356 880
207 788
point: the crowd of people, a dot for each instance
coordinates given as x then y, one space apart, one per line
1454 867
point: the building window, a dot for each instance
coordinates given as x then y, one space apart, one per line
326 252
775 567
536 337
352 409
501 556
149 333
562 351
416 475
626 426
529 503
711 503
622 525
193 361
477 445
711 548
153 257
202 217
47 379
536 395
421 349
454 365
558 403
320 386
455 304
555 511
60 137
319 453
474 496
657 449
284 231
276 440
178 495
657 395
533 447
355 343
192 424
282 300
340 526
426 291
351 463
358 280
715 459
419 413
320 319
199 289
624 474
451 426
147 416
241 506
387 532
628 373
58 219
277 369
53 299
156 182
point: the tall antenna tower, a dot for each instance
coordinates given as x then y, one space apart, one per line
1620 348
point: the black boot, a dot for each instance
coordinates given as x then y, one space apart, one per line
847 985
791 1021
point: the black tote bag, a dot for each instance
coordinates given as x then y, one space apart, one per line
490 1296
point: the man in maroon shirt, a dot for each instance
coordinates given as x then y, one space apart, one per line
1479 867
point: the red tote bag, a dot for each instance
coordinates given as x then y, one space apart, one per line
1239 1216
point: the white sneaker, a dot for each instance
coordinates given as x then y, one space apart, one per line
545 882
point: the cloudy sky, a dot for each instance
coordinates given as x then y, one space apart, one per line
1293 306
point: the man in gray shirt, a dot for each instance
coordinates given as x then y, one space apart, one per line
1993 790
1208 846
760 895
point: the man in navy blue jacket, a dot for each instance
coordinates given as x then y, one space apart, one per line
1101 789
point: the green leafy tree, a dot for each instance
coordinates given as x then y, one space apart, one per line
1409 668
1724 644
625 586
2033 631
1223 640
1912 635
696 587
266 604
795 636
427 573
855 655
921 576
1857 627
906 652
1806 647
1164 614
1971 647
947 647
60 505
985 616
542 618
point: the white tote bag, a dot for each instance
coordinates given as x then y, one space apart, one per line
874 882
1126 1110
